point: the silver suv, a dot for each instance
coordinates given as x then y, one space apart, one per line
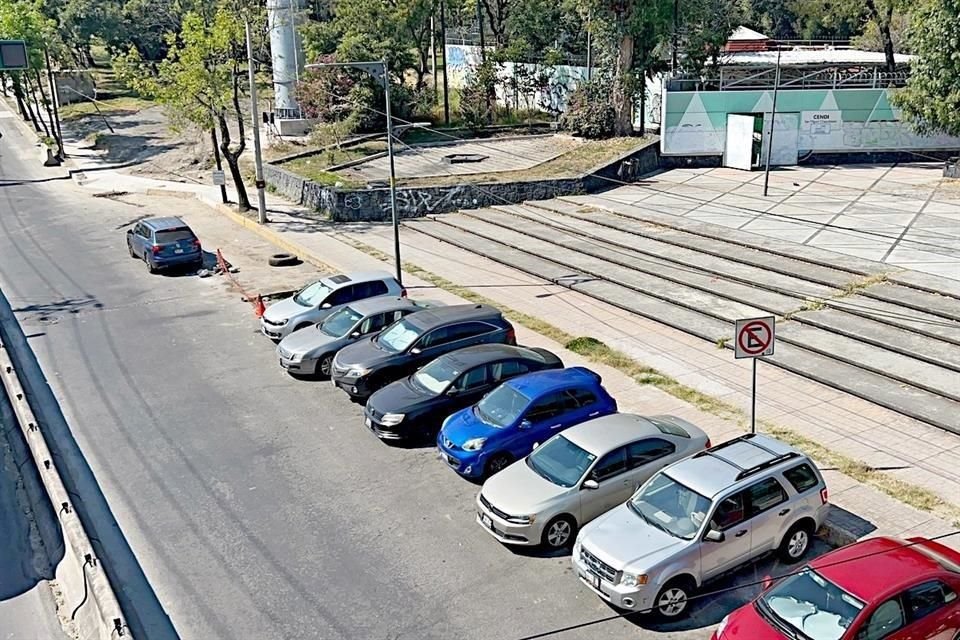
700 517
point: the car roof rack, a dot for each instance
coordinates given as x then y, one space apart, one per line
745 472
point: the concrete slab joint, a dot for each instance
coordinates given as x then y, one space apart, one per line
89 603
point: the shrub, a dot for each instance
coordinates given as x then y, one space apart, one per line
478 98
589 110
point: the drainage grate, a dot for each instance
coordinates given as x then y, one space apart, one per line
461 158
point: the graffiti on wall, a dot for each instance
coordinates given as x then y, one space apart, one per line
412 203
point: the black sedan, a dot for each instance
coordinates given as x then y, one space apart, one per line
415 407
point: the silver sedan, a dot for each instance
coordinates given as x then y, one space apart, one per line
580 474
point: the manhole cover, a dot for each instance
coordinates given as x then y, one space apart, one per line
461 158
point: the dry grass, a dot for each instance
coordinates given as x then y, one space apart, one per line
596 351
77 110
316 167
579 159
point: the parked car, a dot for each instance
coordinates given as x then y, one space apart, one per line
579 474
877 588
365 366
417 405
324 297
698 518
163 243
484 439
310 351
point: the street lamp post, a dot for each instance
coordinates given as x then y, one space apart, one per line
773 118
379 71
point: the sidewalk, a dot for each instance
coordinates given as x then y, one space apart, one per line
914 453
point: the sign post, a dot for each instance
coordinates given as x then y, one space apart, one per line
754 338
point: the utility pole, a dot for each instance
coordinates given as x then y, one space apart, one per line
55 98
255 118
380 72
676 29
443 58
589 47
773 118
433 53
483 46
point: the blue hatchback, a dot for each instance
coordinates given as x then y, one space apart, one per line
483 439
163 243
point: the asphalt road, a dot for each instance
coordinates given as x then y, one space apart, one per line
255 505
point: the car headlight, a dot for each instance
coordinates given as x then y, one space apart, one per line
358 372
522 519
722 626
296 357
633 579
474 444
391 419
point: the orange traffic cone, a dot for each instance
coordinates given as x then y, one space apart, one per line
258 307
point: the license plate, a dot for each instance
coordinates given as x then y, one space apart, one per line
595 581
178 250
487 522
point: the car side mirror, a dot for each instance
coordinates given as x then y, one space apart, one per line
525 424
129 232
950 597
714 536
355 334
416 351
536 444
326 305
591 484
453 391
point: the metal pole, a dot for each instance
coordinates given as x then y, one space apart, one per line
433 54
773 117
443 47
296 54
483 46
393 175
676 30
589 48
255 117
55 98
753 399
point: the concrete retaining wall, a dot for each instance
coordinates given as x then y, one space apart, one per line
951 168
82 582
373 204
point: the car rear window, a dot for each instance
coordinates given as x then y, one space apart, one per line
802 477
669 428
173 235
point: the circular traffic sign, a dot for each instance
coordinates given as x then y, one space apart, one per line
755 337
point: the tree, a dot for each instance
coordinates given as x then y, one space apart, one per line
882 12
931 99
628 35
707 25
200 80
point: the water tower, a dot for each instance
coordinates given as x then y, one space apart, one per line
286 50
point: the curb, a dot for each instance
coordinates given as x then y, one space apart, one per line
98 615
267 234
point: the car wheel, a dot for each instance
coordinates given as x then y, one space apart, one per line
559 532
674 599
150 267
130 250
498 463
326 365
795 544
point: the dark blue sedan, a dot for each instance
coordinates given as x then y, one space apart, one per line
483 439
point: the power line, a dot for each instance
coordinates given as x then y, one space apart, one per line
755 583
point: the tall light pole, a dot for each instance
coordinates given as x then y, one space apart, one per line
379 71
773 118
255 119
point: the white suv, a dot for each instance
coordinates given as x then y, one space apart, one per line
698 518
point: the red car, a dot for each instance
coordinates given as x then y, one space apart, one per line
877 589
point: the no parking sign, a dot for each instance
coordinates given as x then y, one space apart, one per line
755 337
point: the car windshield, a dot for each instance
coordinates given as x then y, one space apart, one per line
174 235
339 323
312 294
437 376
668 505
398 336
810 606
502 407
560 461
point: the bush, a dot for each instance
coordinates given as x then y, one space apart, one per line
589 110
478 98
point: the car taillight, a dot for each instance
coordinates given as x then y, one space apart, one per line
709 444
156 249
403 292
196 243
824 495
511 336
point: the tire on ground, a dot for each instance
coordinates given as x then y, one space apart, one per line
283 260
